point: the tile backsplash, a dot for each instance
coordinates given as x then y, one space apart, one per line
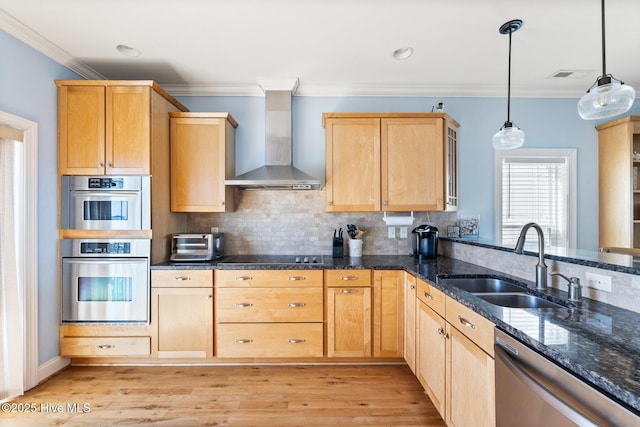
290 222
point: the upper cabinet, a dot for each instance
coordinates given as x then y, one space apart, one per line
619 197
108 127
390 162
202 156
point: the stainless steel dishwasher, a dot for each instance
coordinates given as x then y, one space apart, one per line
533 391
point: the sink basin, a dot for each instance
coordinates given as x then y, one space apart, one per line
481 284
518 300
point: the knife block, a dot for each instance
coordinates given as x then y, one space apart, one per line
338 247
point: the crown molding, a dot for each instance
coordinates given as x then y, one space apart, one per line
31 38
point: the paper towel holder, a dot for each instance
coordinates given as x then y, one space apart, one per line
399 220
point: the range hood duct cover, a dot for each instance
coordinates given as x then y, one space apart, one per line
278 171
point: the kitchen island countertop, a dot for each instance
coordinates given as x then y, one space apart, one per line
597 342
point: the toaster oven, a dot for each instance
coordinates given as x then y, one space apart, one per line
196 247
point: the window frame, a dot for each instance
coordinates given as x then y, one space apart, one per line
570 154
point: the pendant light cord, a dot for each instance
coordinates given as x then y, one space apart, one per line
509 80
604 60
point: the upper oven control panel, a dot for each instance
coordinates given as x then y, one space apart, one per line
115 183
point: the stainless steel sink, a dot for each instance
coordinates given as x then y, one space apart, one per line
476 285
518 300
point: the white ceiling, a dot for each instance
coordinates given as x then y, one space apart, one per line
335 47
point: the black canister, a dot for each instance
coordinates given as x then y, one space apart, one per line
425 241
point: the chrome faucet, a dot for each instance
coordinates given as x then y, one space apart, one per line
541 267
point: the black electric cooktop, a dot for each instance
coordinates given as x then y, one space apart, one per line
271 259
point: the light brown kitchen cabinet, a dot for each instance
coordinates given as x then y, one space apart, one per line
454 361
202 157
619 195
470 367
348 313
78 341
410 321
269 313
388 313
182 313
390 162
107 127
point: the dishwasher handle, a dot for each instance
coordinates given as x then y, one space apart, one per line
540 390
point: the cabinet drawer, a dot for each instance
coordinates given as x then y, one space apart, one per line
350 278
269 340
269 304
181 278
474 326
267 278
431 296
105 346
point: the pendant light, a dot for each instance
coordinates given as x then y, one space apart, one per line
509 136
608 96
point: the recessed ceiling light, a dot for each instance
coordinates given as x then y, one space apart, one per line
128 50
402 53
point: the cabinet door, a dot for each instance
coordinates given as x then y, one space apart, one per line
348 322
412 164
470 383
430 355
128 130
198 165
352 164
388 313
81 124
182 322
410 321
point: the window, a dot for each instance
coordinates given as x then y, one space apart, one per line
536 185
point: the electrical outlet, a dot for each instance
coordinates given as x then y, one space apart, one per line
599 281
403 232
392 232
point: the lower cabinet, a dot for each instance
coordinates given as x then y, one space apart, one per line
454 361
182 313
388 313
410 321
269 313
348 312
104 341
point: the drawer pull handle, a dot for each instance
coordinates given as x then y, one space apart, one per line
349 278
246 341
244 304
293 278
105 346
349 291
465 322
297 341
241 278
182 278
428 295
297 304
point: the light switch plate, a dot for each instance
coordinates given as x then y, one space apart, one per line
599 281
392 232
403 232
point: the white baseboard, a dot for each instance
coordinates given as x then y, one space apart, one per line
52 367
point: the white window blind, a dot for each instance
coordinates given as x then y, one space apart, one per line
535 188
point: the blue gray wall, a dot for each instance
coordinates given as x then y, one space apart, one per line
27 90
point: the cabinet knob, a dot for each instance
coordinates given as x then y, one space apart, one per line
221 203
100 164
412 287
386 203
330 203
109 165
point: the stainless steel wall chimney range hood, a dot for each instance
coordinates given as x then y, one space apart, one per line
278 171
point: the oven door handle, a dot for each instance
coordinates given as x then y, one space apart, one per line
537 387
110 194
105 260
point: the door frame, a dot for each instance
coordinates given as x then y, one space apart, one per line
30 236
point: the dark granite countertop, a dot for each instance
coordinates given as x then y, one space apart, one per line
598 342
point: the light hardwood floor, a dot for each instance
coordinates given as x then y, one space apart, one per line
268 395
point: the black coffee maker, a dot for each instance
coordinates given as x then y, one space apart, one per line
425 241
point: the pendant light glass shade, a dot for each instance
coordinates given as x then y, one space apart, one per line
508 137
607 98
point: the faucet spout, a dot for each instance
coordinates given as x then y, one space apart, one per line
541 267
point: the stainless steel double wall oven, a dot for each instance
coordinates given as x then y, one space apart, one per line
105 279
